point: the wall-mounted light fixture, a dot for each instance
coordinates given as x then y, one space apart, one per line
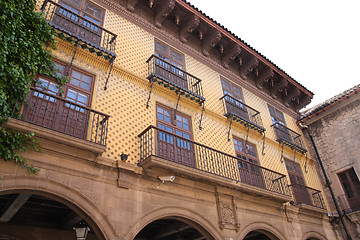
81 230
124 157
165 179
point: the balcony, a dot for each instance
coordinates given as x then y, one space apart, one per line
174 78
71 26
166 150
308 196
58 114
288 137
242 113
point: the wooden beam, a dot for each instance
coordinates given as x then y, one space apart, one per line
14 206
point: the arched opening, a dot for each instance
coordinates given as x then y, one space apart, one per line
37 215
173 228
260 235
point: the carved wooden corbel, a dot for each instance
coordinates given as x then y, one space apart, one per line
165 7
303 101
209 41
130 4
230 53
293 92
248 66
264 76
278 87
188 27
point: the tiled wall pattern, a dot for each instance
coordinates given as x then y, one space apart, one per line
128 91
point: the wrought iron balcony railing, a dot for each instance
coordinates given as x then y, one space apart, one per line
174 78
72 27
288 137
155 142
56 113
306 195
242 113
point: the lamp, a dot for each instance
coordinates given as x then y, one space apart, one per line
124 157
81 230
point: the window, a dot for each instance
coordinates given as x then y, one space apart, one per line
278 120
250 173
297 182
170 64
351 185
174 146
86 27
276 116
234 103
68 116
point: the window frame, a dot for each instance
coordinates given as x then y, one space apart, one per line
231 90
274 114
69 86
354 202
168 54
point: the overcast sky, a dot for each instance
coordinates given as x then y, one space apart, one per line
316 42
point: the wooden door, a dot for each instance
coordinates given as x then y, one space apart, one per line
234 104
41 108
85 26
75 115
249 171
170 65
172 137
278 120
297 182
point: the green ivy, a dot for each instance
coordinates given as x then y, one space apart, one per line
25 44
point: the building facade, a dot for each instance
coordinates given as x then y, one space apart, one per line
171 127
334 126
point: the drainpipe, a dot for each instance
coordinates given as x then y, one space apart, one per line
330 188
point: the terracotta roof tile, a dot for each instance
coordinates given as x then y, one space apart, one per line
311 111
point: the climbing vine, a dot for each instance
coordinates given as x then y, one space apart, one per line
25 44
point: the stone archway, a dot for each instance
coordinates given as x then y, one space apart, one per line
260 235
79 206
311 235
181 218
173 229
260 231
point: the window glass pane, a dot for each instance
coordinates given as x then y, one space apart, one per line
76 74
59 69
43 84
74 2
160 48
71 95
53 87
85 86
178 57
93 10
82 99
75 82
86 79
